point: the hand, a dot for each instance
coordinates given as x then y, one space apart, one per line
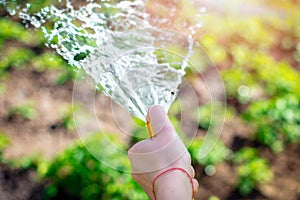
154 157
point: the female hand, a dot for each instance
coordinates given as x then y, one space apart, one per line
162 164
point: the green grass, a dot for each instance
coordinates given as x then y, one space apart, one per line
26 111
252 170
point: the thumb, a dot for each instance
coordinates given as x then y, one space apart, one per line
159 121
161 150
161 128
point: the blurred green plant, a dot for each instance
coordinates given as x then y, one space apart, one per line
15 57
218 154
213 198
174 115
10 30
139 131
77 173
138 134
4 142
252 170
47 61
210 113
35 5
2 88
205 117
69 74
67 120
34 161
26 111
277 120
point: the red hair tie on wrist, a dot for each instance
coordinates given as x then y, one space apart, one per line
168 170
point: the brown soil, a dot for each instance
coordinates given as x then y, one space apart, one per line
43 134
18 184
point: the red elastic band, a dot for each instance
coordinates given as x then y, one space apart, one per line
168 170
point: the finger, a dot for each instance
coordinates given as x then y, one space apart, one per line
162 150
138 147
159 121
192 172
187 158
163 130
195 185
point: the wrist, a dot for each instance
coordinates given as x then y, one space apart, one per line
175 184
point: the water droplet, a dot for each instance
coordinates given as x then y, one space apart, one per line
210 170
244 91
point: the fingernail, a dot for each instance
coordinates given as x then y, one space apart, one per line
157 118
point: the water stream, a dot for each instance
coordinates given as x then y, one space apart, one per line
132 61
